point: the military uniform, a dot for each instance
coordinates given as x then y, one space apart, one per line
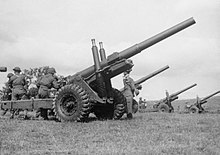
169 102
45 83
18 83
198 105
7 91
129 89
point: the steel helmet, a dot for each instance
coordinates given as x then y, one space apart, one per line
17 69
9 75
51 70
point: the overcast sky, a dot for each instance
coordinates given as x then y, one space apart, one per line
58 33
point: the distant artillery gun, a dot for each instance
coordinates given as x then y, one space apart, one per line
139 87
90 90
197 106
164 105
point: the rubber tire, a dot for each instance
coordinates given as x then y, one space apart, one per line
163 108
134 106
193 110
83 106
112 111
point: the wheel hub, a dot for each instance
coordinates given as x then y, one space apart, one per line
69 105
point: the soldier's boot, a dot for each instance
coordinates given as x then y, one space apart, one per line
12 114
129 116
25 115
44 114
51 113
38 113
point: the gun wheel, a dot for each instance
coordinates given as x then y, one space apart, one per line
119 104
112 111
134 106
71 103
163 108
193 110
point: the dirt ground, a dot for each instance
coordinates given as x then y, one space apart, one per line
147 133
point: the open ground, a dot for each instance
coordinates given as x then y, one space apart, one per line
147 133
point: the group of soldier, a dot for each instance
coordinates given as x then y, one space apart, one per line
17 89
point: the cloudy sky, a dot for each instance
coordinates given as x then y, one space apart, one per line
58 33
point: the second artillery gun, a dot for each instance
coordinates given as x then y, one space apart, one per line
140 81
91 91
197 106
164 105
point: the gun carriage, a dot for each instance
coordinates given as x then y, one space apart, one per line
164 105
197 106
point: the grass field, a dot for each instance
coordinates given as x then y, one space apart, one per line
147 133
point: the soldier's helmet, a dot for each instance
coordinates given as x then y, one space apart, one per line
17 69
9 75
129 70
51 71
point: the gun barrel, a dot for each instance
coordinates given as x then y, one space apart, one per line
183 90
143 79
207 97
137 48
3 69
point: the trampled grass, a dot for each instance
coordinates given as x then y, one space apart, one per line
147 133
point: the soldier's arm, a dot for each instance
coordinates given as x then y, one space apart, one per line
55 84
132 85
9 83
25 82
38 82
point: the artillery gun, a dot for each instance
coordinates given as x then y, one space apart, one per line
138 86
164 105
197 106
90 90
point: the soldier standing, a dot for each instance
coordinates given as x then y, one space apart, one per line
45 83
129 90
18 84
198 105
169 102
140 102
7 91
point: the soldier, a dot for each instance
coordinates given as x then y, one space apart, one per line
145 103
18 84
7 91
198 105
169 102
140 102
45 83
129 90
